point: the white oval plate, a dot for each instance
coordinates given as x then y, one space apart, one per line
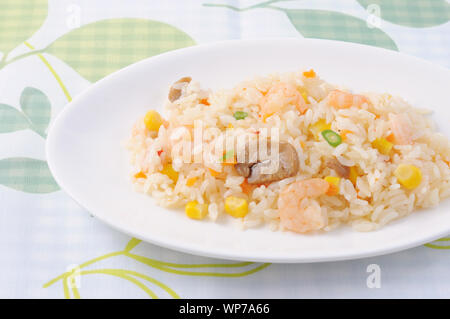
85 155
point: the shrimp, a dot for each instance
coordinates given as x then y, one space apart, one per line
343 100
401 128
292 215
280 95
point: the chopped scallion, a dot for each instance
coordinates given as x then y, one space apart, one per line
333 138
228 156
240 115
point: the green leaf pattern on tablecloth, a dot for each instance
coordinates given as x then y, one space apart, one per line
11 119
420 13
27 175
19 19
35 115
228 270
100 48
443 243
326 24
339 26
36 106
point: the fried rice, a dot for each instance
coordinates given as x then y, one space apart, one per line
362 159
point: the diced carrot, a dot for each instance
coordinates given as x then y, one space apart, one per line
247 188
333 182
204 101
160 152
391 138
229 158
229 163
353 175
265 116
213 172
344 134
309 74
191 181
332 190
140 175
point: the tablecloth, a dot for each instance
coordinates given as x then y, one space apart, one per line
52 50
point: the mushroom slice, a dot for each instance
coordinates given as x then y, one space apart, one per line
243 169
287 166
177 88
342 170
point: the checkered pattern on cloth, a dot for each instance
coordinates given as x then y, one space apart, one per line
19 19
27 174
11 119
412 13
324 24
97 49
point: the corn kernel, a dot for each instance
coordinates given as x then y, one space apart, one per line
304 95
236 207
334 185
195 210
170 172
213 172
382 145
191 181
318 127
153 120
408 175
266 116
